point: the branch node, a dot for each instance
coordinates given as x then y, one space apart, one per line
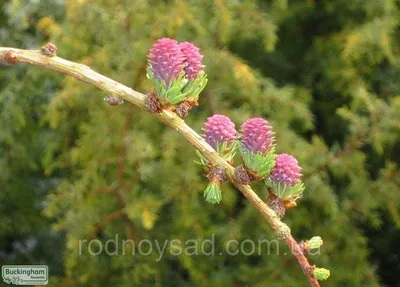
310 269
49 50
283 231
303 247
113 100
10 58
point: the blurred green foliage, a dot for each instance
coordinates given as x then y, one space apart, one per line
324 73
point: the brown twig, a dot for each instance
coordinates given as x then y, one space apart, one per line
302 259
129 226
85 74
104 222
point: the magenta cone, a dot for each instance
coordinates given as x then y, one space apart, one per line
219 129
286 170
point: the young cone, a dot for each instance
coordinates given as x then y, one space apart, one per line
177 73
257 147
220 133
285 179
194 71
166 70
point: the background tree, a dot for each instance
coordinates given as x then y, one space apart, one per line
325 74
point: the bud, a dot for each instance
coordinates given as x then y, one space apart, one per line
113 100
321 273
257 147
285 179
213 193
216 175
49 50
314 243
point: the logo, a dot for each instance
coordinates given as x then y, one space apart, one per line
25 274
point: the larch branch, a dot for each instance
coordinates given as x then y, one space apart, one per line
10 56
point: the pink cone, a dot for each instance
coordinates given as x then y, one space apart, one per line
257 135
219 129
167 60
193 60
286 170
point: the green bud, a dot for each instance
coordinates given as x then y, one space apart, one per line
321 273
213 193
314 243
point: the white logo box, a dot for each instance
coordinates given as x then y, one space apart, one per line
25 274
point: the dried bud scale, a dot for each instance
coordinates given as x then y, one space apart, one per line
242 176
152 103
276 204
217 173
182 109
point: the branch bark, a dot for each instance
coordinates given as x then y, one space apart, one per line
11 56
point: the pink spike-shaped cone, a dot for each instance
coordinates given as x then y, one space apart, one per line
257 135
166 59
219 129
286 170
193 60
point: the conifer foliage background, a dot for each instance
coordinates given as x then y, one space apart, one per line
326 74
